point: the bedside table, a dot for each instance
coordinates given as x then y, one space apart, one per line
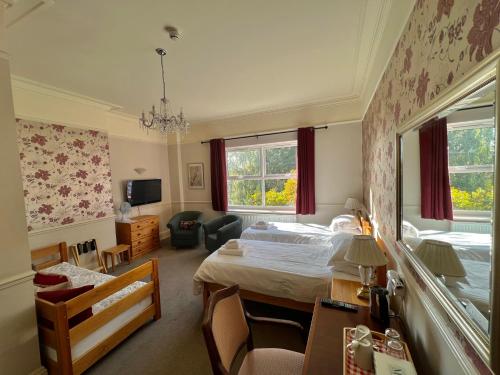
346 290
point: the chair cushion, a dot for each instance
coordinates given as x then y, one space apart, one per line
272 361
186 224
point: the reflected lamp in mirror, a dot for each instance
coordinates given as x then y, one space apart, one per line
353 204
440 258
365 252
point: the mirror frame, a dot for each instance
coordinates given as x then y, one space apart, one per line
486 347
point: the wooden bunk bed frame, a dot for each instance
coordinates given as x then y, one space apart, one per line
209 288
62 338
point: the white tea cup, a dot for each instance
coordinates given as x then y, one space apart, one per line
362 351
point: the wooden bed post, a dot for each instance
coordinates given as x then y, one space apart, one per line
206 296
64 252
156 294
61 328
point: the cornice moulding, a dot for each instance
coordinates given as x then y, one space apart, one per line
44 89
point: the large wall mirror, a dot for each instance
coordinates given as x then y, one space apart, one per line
446 205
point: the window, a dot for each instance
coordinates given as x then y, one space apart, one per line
471 154
263 176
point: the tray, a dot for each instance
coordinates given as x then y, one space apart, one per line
350 368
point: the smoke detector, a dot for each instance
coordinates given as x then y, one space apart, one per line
173 32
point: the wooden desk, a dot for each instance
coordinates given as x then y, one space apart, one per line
325 343
346 291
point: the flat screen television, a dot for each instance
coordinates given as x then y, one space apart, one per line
143 191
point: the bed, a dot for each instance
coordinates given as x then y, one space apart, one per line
282 274
296 233
474 250
120 305
307 233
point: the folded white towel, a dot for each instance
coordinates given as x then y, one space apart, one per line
235 252
232 244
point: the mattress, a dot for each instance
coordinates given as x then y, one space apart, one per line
82 276
297 233
294 271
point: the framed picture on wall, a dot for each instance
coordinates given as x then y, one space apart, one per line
196 178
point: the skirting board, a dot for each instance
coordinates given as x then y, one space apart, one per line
164 234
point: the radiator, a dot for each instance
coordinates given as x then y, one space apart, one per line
470 227
252 217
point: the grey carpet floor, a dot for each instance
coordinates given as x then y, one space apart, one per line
174 344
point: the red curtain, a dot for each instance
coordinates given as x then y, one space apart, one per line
306 201
218 174
434 178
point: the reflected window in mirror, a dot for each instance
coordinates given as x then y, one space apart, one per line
447 167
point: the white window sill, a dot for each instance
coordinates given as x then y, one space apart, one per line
257 211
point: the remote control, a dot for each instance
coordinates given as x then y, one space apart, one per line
330 303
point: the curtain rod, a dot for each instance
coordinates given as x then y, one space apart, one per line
267 134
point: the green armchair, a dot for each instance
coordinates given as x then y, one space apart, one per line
220 230
182 237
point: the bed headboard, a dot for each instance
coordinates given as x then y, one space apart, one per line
53 254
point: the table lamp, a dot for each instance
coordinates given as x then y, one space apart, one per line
365 252
353 204
440 258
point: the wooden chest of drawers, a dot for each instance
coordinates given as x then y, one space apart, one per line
142 233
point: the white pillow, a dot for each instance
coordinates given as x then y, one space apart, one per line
345 223
409 230
341 242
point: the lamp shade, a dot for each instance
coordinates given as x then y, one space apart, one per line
353 204
440 257
364 251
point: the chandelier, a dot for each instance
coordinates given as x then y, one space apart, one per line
163 119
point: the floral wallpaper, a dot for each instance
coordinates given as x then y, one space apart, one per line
442 40
66 174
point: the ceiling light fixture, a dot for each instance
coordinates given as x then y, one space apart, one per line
163 120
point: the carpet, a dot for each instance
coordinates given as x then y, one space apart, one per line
174 344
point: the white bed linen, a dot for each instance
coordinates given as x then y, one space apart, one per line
473 249
297 233
82 276
294 271
473 246
475 286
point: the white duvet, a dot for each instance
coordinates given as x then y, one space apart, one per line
294 271
297 233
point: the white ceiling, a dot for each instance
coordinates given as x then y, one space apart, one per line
234 58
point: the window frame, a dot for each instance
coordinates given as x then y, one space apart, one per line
461 214
263 177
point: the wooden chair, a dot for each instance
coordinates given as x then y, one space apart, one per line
226 331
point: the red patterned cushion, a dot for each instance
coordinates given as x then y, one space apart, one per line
65 295
45 279
186 224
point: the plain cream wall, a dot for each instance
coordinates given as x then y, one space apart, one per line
127 155
338 171
18 339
